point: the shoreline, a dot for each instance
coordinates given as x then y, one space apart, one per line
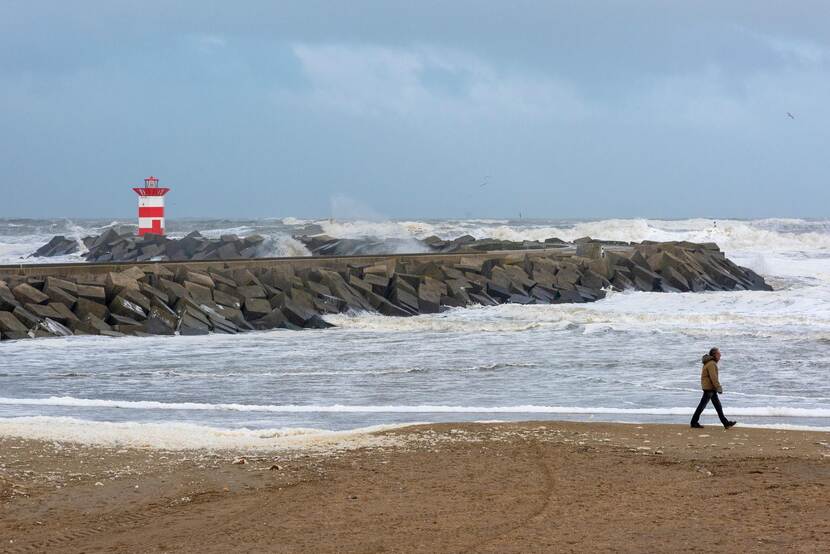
191 436
530 486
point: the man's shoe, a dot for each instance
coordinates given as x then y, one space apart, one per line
729 424
698 426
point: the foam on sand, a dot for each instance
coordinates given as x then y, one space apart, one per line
187 436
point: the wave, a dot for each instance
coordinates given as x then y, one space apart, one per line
68 401
731 235
760 237
792 313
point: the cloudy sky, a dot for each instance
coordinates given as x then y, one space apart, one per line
416 109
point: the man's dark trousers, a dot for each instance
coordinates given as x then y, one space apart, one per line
707 396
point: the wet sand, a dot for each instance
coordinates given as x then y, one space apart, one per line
512 487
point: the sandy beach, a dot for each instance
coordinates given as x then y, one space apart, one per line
492 487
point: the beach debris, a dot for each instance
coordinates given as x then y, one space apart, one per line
276 467
703 470
240 461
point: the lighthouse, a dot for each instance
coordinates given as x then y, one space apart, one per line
151 207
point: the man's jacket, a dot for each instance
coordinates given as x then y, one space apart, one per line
709 374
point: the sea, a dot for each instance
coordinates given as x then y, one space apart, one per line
631 357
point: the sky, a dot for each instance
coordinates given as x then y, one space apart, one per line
428 109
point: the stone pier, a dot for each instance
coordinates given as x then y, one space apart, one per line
233 296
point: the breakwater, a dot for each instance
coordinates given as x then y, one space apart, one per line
199 297
122 245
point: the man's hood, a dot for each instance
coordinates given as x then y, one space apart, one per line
707 358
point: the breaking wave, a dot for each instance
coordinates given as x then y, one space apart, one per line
757 411
19 238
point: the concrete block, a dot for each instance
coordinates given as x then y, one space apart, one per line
520 299
256 308
59 295
385 307
200 279
588 294
517 276
244 278
54 282
126 308
53 328
8 301
157 326
251 291
162 312
188 306
67 316
84 307
27 294
225 299
568 296
136 297
326 303
593 280
115 319
10 324
359 284
174 290
318 289
221 278
42 310
296 313
92 292
497 292
483 298
275 319
93 325
543 294
152 292
116 282
134 272
401 297
199 293
339 288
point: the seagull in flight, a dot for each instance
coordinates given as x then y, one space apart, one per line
791 116
482 185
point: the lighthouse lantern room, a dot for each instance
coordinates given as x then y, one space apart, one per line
151 207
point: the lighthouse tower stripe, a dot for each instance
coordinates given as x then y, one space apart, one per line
147 222
151 212
150 225
150 201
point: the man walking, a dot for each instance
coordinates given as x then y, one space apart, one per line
711 388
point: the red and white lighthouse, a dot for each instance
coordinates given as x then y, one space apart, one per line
151 207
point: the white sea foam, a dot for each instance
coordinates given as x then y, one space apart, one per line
758 411
786 427
731 235
736 237
186 436
773 314
295 221
284 247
